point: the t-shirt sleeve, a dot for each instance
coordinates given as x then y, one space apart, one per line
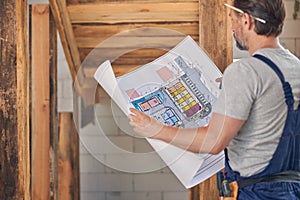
239 88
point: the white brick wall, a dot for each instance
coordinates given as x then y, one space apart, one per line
140 195
64 90
158 181
92 195
100 182
175 195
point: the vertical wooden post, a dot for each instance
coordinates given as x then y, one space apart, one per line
14 109
68 158
53 111
194 193
215 37
23 99
214 32
40 102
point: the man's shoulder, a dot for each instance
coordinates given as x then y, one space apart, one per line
246 66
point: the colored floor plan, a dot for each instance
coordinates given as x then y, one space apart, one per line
181 100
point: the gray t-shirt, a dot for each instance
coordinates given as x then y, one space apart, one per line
252 91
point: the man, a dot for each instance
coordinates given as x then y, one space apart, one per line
254 118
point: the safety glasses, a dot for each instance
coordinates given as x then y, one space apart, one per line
241 11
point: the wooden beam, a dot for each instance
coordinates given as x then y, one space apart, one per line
117 1
104 31
132 42
134 12
64 26
40 102
68 158
53 112
23 98
14 109
215 37
194 193
214 32
208 189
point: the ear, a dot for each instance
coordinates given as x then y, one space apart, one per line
248 21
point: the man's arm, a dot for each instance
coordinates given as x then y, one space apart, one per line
209 139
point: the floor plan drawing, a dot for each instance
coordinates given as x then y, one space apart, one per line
182 101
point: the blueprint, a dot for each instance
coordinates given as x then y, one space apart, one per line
179 98
178 89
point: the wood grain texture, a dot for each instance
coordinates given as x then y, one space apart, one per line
40 102
23 99
130 12
64 26
69 2
104 31
53 111
214 32
14 109
68 158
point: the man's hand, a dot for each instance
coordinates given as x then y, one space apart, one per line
143 124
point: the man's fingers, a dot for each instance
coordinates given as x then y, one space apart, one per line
137 112
132 117
139 116
135 120
134 111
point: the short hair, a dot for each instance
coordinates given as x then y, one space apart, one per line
273 11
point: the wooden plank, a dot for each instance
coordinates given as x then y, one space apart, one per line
130 42
40 102
92 57
118 1
118 70
104 31
214 32
215 37
139 17
190 28
121 63
133 7
68 160
134 12
194 193
137 57
208 189
120 66
63 23
96 56
53 112
23 99
14 109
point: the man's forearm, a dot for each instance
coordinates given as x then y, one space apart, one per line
190 139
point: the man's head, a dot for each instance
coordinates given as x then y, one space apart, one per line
267 18
272 11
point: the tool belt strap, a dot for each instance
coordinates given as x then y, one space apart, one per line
286 176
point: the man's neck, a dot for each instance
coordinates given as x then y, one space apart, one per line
260 42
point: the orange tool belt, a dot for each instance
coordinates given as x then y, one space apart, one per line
227 191
233 192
